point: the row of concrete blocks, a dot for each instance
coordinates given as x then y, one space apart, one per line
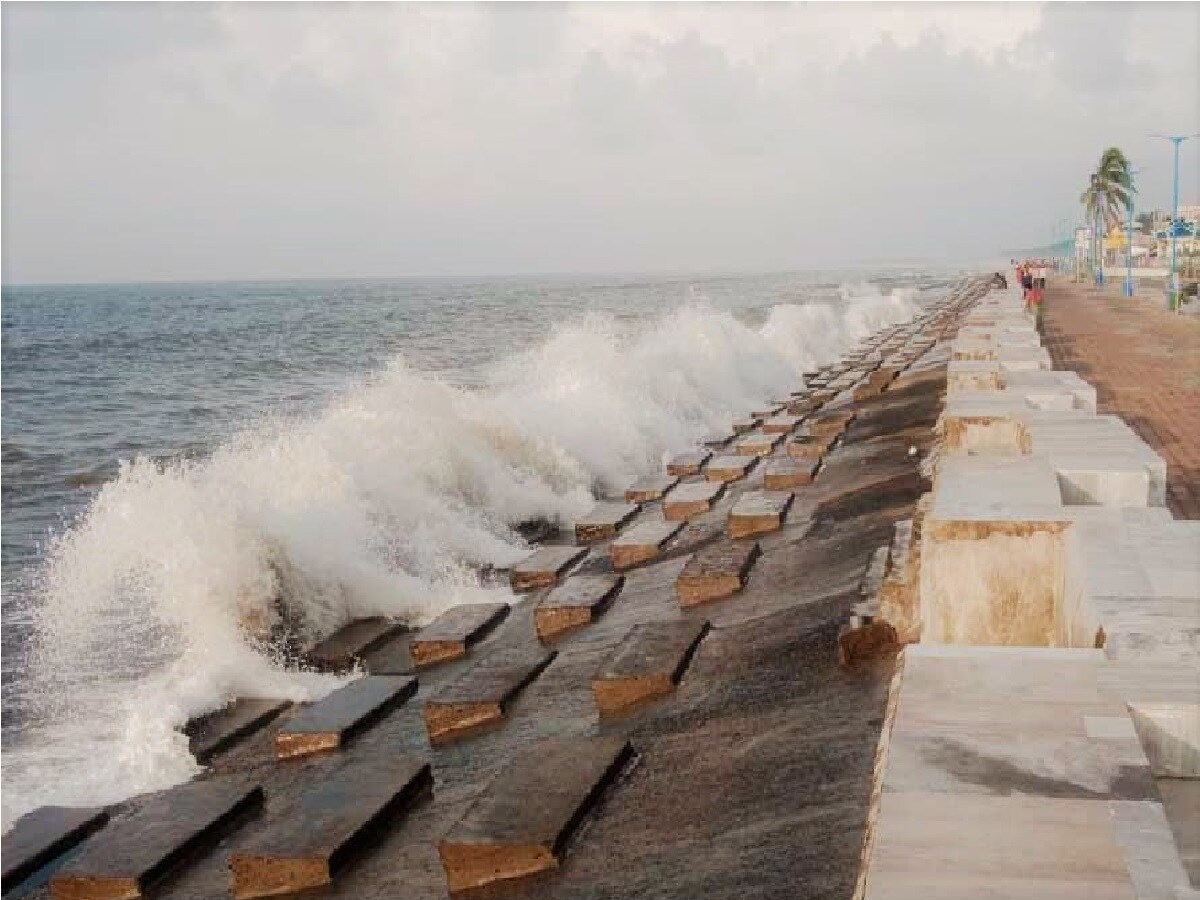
500 836
879 622
307 849
1044 538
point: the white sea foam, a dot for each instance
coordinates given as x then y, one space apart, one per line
390 501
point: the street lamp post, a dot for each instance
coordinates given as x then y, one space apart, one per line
1173 285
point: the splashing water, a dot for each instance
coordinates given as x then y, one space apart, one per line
388 501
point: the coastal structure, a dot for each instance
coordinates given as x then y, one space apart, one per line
1044 734
922 628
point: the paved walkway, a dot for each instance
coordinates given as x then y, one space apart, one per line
1145 365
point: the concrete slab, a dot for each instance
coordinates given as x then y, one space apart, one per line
347 646
642 543
604 521
504 836
757 443
318 837
804 405
715 572
576 603
767 410
808 446
41 836
544 568
651 487
789 473
329 723
692 499
479 699
718 440
829 424
1026 744
455 631
393 658
135 852
688 463
730 468
646 665
781 424
217 731
758 512
1170 734
950 846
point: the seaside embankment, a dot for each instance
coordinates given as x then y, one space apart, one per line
704 690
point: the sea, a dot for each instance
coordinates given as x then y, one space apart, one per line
192 470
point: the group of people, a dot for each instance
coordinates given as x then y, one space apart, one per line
1031 275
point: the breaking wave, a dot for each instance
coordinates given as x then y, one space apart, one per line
392 500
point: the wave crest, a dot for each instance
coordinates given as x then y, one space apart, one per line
154 604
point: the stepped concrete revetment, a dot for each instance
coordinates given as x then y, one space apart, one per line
1045 737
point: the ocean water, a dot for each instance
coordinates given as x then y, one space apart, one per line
196 476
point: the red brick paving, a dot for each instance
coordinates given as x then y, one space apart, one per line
1145 365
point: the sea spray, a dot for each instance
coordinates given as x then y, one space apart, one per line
389 501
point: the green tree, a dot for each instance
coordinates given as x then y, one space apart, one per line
1109 195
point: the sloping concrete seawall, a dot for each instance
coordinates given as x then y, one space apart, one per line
658 711
1046 734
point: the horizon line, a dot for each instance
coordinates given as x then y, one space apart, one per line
614 273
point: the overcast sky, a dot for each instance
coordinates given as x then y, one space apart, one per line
186 141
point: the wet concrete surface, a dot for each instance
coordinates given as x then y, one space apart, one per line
751 780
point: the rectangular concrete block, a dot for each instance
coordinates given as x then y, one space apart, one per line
576 603
756 443
742 426
480 698
807 446
455 631
730 468
329 723
309 846
41 836
544 568
717 440
788 473
504 836
716 571
688 463
803 406
134 853
349 644
829 424
781 424
646 665
767 410
692 499
217 731
393 658
758 512
652 487
642 543
604 521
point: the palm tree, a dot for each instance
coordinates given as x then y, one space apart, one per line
1108 195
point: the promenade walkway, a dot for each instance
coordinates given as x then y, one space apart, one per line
1145 365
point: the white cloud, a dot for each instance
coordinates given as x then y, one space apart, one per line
280 139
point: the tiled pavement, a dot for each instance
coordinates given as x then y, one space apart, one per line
1145 365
